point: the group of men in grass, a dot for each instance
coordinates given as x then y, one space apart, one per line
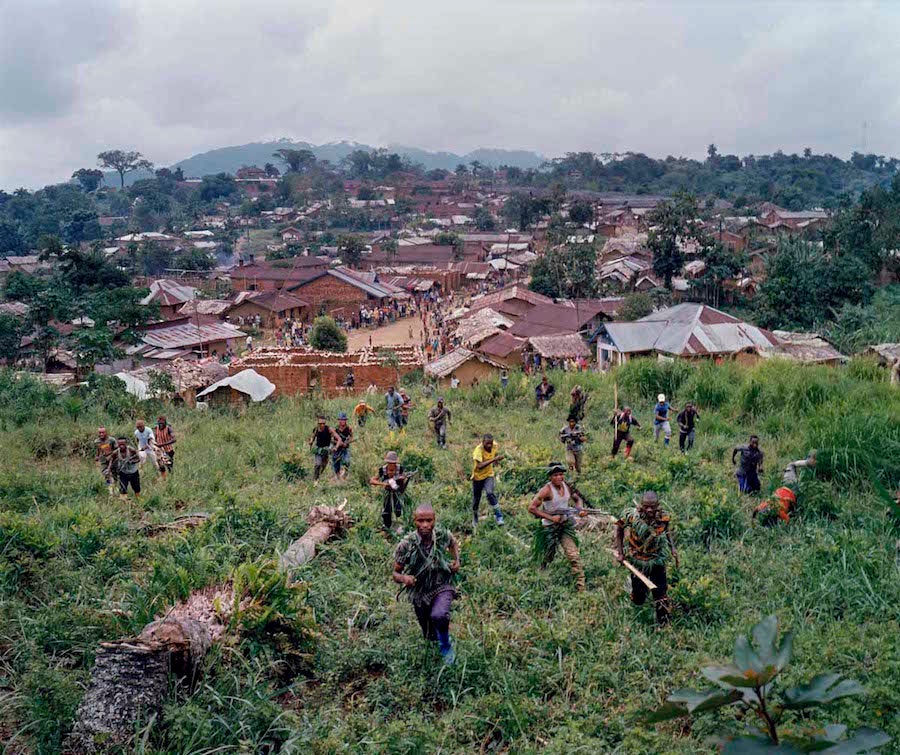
120 462
427 558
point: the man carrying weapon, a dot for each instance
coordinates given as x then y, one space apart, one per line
394 480
650 546
557 530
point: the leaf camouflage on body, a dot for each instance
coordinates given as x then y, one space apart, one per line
547 540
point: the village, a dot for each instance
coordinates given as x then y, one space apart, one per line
454 297
449 378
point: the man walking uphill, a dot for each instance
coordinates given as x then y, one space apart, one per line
552 506
573 436
424 563
393 405
686 419
661 420
165 441
394 480
484 457
439 417
749 465
650 546
623 421
320 442
104 446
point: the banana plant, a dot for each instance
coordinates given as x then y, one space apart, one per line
748 683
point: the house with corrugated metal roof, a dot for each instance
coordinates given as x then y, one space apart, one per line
686 330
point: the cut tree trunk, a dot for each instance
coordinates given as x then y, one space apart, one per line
129 681
324 522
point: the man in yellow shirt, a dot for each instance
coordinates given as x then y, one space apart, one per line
484 457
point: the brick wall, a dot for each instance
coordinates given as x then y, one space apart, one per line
297 372
331 294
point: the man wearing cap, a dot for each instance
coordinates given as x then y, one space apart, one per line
439 417
650 546
661 420
320 442
484 457
623 421
552 505
392 478
340 455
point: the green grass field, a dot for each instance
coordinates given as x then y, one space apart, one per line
539 667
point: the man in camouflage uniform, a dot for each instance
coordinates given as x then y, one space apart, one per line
650 546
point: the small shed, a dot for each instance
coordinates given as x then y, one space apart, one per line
466 366
240 388
885 353
808 348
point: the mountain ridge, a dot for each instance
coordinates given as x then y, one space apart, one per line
228 159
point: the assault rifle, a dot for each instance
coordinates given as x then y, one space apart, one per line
405 477
569 511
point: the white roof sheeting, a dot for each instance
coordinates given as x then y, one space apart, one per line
250 382
133 386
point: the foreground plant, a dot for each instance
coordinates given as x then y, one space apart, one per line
748 683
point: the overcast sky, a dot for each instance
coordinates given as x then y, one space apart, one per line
174 77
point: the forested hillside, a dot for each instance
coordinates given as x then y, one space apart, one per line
334 663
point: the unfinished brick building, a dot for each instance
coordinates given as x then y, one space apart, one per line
298 371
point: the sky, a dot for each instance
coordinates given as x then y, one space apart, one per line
171 78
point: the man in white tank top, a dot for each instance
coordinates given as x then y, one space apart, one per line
556 504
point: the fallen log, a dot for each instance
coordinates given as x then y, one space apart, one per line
129 681
324 523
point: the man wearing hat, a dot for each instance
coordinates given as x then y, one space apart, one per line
661 420
650 546
393 480
340 454
439 417
552 505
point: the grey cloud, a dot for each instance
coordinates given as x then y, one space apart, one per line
171 77
42 47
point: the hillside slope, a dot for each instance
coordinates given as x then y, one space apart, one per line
540 667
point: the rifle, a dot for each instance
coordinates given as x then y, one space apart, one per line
569 511
406 477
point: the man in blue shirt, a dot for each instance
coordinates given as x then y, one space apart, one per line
394 405
661 420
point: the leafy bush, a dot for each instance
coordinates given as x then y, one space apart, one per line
424 464
748 684
636 306
327 335
294 466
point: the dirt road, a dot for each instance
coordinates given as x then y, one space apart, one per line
395 334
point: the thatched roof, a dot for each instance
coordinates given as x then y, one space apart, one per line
568 346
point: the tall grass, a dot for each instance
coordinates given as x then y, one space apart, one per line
339 664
